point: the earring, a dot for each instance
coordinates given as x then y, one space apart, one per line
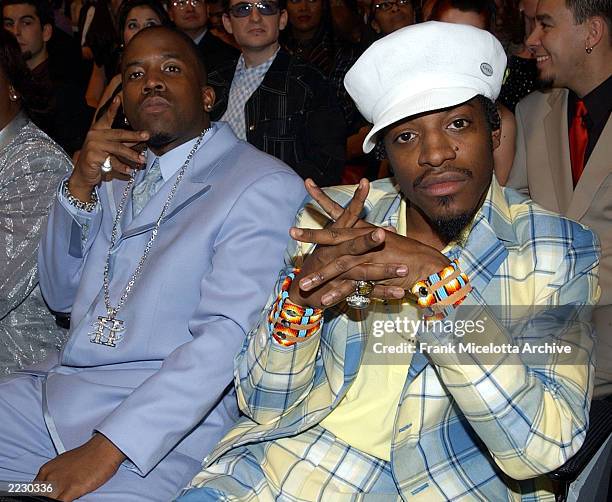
589 50
208 108
12 94
126 121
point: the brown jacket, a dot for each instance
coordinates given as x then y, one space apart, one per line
542 166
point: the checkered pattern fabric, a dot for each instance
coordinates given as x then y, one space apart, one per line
479 431
244 83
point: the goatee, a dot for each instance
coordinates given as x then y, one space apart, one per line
159 139
449 229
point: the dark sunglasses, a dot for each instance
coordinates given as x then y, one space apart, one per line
243 9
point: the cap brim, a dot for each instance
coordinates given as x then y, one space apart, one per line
428 101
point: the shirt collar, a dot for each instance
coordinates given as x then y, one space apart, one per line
199 38
258 70
170 162
598 102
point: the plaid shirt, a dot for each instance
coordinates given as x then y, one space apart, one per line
462 431
244 83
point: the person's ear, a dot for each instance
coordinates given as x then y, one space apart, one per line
283 20
47 32
208 98
595 27
496 137
13 95
227 24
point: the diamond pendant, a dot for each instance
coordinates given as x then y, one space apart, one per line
107 331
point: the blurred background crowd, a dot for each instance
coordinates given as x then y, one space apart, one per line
73 50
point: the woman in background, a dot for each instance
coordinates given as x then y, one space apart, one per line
482 14
133 16
31 167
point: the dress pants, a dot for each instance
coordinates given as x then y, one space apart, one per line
26 445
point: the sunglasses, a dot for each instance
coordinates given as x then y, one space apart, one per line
181 4
243 9
388 5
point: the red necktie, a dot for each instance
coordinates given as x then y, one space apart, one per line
578 139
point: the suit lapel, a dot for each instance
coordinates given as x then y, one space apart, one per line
480 257
557 147
595 172
194 185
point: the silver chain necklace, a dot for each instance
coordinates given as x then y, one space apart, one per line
108 330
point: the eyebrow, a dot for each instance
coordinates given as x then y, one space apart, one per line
152 18
544 17
28 17
164 56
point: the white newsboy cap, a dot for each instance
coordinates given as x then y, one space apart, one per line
421 68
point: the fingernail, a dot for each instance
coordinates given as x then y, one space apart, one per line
376 236
398 293
116 99
144 135
296 232
305 283
401 270
327 299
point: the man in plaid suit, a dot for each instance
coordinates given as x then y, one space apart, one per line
386 402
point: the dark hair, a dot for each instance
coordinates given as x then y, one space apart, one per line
584 9
128 5
486 8
191 47
14 68
282 4
43 9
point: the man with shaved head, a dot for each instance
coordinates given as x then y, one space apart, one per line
162 243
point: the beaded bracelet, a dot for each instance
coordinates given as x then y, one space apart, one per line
443 291
290 323
73 201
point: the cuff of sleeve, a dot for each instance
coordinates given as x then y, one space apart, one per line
80 216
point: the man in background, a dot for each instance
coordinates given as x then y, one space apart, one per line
564 136
61 110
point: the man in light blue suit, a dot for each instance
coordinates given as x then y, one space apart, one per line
164 273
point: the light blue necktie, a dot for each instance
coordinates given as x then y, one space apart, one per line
147 188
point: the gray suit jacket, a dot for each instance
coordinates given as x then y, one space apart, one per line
542 165
167 385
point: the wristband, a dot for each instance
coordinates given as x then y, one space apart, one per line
290 323
443 291
73 201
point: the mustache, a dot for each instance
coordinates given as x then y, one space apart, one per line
419 179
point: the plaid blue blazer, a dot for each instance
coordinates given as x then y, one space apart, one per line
478 429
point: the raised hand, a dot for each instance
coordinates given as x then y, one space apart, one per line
345 254
322 281
103 141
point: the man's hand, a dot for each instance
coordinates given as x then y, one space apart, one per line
314 287
82 470
102 141
352 249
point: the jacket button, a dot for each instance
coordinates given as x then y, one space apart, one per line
251 127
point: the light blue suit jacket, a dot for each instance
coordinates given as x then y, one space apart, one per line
167 385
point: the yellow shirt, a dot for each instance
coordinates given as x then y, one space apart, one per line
365 417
